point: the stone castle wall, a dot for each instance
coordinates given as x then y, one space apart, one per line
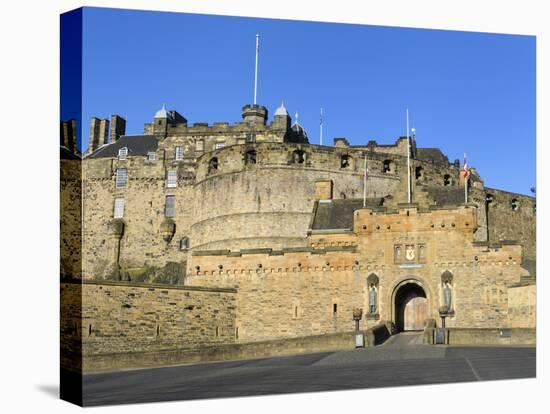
112 318
268 203
293 293
70 198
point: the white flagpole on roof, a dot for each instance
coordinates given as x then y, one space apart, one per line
365 183
408 161
256 67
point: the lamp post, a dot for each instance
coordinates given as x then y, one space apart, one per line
357 314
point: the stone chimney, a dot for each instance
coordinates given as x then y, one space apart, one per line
103 132
68 134
94 134
118 127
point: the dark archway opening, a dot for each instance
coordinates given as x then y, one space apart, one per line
411 307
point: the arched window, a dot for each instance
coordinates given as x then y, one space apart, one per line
184 243
345 161
250 157
298 157
446 180
212 165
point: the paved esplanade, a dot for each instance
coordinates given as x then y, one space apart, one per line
402 360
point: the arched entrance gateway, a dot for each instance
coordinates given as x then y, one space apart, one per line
410 306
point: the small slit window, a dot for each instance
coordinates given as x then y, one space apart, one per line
172 179
179 153
419 173
514 204
298 157
184 243
250 157
345 161
121 177
335 308
119 208
212 165
122 153
170 206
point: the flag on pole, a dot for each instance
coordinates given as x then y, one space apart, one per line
466 172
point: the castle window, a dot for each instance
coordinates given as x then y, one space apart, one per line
199 145
419 173
421 252
335 309
179 153
121 177
170 206
119 208
122 153
514 204
250 138
151 156
250 157
446 180
345 161
171 179
212 165
184 243
398 253
298 157
387 166
219 145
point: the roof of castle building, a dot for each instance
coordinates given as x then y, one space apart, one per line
162 112
432 155
136 144
281 110
66 154
338 214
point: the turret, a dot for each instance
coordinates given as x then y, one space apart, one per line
282 118
255 114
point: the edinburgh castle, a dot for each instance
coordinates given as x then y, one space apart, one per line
201 241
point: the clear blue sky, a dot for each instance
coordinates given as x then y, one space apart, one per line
466 92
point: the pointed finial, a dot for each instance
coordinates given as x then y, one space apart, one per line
296 118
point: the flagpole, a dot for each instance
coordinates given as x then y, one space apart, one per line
256 67
365 183
466 177
321 129
408 161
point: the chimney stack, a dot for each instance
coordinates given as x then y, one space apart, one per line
103 132
68 134
94 134
118 127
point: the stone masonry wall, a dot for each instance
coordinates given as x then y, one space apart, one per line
293 293
120 318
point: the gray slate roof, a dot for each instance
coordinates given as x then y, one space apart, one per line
338 214
137 145
432 155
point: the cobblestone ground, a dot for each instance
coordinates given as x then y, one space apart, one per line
402 360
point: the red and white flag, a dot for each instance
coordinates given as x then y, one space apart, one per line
466 171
